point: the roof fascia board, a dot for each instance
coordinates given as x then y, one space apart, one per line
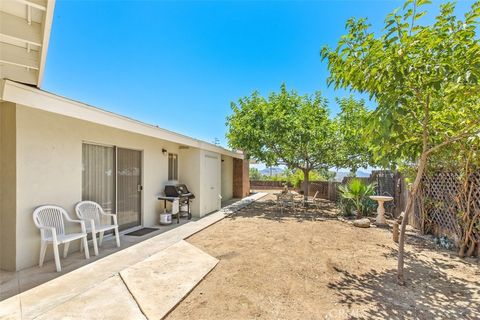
2 88
47 26
38 99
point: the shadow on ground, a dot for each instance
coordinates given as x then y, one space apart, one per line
429 293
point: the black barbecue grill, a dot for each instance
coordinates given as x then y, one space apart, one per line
180 192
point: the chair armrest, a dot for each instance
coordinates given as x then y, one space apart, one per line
77 221
81 222
52 230
87 222
109 214
67 217
114 216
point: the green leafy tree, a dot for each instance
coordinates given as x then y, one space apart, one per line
285 128
353 152
329 175
296 177
255 174
424 79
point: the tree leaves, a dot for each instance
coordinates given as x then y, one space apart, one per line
406 66
353 149
284 128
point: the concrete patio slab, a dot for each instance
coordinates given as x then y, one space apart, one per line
51 294
109 300
11 308
160 282
13 283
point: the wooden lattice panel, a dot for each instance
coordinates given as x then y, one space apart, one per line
476 193
437 197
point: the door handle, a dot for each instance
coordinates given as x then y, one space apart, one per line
139 187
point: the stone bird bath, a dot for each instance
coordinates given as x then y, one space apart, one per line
381 210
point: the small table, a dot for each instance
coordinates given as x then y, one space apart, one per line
381 210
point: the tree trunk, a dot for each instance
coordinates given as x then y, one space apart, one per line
411 198
306 186
416 184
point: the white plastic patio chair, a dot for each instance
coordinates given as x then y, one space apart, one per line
91 212
50 221
314 201
298 200
284 201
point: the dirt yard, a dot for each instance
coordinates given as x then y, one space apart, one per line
311 266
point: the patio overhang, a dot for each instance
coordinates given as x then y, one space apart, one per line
24 35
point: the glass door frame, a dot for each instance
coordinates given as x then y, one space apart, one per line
141 220
115 157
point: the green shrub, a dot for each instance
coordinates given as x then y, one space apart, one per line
295 177
369 207
357 193
346 207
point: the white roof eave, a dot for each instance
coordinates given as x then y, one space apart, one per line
35 98
25 27
46 39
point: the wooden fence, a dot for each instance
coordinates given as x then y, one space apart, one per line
326 189
267 184
386 182
435 210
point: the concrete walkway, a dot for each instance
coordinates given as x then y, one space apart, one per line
144 280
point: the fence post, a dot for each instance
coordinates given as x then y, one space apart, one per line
330 191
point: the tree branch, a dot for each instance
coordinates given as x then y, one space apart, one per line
413 17
453 139
284 159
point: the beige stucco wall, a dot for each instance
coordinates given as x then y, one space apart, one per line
194 174
49 159
7 186
49 171
227 177
189 174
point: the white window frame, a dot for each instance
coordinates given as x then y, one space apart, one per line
172 166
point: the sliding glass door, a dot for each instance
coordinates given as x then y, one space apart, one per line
129 185
112 177
98 175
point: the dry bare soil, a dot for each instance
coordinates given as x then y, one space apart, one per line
302 266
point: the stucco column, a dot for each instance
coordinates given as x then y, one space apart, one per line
8 186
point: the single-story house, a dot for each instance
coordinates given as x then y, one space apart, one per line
57 151
54 150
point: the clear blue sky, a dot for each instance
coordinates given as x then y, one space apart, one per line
180 64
